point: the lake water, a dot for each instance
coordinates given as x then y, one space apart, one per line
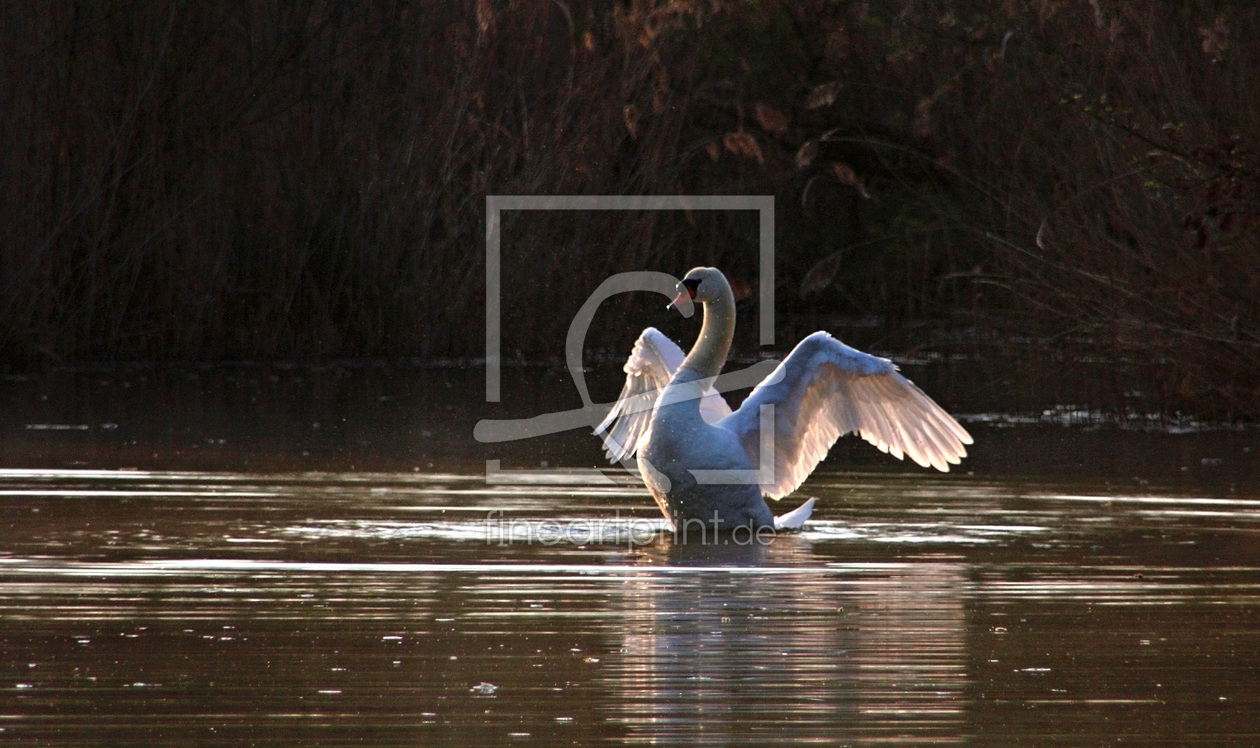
210 569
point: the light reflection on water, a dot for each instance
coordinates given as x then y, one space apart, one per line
176 607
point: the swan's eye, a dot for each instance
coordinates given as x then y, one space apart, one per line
691 284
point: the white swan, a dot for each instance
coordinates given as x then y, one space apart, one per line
683 431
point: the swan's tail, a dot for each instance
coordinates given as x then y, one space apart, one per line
794 519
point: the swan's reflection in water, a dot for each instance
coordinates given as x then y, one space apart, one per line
766 643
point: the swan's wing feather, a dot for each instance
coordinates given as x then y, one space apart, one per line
825 389
651 365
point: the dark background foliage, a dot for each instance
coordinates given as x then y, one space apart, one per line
1043 188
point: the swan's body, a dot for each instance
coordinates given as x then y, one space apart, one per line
679 427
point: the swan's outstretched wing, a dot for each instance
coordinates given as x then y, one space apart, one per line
825 389
651 365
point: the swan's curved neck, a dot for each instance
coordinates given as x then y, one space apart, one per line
708 355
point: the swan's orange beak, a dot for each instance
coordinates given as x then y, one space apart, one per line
682 302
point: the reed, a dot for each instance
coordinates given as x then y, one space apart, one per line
1073 184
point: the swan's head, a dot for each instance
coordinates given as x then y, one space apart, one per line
702 285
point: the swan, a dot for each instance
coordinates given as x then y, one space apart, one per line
707 464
